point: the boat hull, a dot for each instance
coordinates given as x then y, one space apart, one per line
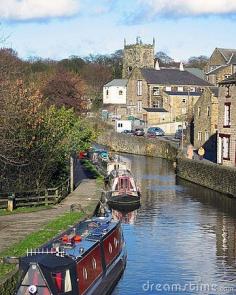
123 199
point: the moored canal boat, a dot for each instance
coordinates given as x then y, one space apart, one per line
122 188
87 260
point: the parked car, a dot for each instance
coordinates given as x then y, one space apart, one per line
139 132
178 134
151 134
157 130
129 132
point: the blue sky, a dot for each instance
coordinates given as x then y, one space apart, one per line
61 28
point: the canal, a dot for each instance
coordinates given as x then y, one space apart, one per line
182 240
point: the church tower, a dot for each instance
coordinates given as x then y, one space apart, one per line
137 55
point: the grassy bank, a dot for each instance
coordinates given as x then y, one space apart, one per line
92 169
36 239
4 212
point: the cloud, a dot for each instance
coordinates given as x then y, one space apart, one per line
149 10
25 10
189 7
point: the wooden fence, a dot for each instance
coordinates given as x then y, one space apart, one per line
49 196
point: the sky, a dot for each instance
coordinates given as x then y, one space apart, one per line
58 29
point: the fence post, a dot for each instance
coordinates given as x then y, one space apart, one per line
11 203
46 197
57 196
71 174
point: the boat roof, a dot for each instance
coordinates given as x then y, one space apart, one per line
121 172
91 231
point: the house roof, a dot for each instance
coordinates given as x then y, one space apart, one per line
156 110
230 80
216 70
232 59
196 72
215 90
183 93
172 77
117 82
226 52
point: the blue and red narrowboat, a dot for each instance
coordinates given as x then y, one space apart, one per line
87 260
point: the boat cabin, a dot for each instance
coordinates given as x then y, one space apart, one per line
75 264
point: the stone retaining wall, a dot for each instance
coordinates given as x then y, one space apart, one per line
210 175
153 147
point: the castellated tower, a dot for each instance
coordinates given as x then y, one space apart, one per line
137 55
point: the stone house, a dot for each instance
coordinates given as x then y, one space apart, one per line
226 139
205 122
175 90
221 65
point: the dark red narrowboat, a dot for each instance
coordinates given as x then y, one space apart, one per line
87 260
122 189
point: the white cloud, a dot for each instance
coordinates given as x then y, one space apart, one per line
190 7
37 9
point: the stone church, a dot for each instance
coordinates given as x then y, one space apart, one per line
152 94
137 55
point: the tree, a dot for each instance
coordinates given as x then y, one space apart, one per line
197 61
66 89
164 58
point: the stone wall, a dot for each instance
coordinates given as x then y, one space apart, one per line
213 176
154 147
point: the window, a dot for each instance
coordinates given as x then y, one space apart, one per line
110 248
199 137
156 91
183 100
199 111
120 92
85 273
139 87
168 88
208 111
226 147
227 76
130 69
120 125
156 104
180 89
227 122
227 95
139 106
115 242
192 89
206 135
94 263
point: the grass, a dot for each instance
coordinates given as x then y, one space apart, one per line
37 239
92 169
4 212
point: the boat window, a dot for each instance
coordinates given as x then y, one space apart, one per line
85 273
115 242
62 281
94 263
110 248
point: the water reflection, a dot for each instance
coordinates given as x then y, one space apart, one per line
183 234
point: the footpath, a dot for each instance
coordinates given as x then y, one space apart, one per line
14 228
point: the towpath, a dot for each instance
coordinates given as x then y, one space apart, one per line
15 227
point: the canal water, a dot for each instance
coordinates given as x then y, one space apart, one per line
182 240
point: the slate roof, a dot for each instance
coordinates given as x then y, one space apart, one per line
227 53
156 110
172 77
117 82
215 91
183 93
216 70
230 80
232 59
196 72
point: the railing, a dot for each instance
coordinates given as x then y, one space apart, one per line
49 196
